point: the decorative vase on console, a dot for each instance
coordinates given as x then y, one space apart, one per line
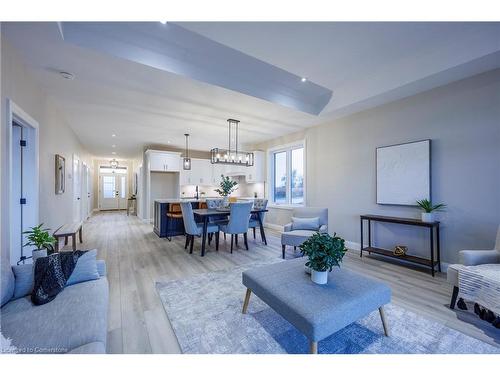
227 186
429 209
324 252
41 240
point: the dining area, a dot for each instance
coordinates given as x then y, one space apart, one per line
207 219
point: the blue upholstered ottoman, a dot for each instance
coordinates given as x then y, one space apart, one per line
317 311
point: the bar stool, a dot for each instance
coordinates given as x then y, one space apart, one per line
174 213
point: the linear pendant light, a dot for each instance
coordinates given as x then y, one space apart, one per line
186 161
232 155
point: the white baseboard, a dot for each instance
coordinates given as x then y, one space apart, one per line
353 245
276 227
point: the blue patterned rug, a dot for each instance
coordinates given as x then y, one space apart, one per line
205 312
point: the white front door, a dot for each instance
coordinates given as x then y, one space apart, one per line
113 191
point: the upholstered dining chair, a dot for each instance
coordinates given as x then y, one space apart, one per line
258 204
214 203
238 222
193 228
305 222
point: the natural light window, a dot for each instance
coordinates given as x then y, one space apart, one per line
287 175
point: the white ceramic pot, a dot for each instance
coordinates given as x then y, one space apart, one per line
427 217
38 254
319 277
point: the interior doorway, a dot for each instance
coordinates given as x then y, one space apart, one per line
113 188
22 175
77 189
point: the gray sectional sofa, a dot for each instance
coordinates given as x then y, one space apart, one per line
75 322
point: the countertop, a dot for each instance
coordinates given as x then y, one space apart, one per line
178 200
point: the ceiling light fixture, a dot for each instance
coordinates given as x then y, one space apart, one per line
67 75
113 153
113 146
304 79
113 135
231 155
186 161
113 163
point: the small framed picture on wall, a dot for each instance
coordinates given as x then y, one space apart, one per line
60 174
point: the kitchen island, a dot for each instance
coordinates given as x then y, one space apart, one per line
165 227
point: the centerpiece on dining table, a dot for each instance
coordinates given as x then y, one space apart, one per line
226 187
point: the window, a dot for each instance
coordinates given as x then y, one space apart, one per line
287 175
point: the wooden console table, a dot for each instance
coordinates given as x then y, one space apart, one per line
434 226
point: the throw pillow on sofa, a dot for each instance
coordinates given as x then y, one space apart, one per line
85 269
305 223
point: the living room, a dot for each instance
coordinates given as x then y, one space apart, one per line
155 200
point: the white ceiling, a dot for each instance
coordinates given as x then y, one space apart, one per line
363 64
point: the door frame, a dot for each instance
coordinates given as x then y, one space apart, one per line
99 192
14 112
76 202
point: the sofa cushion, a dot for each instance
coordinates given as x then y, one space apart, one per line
7 282
77 316
296 237
24 280
305 223
85 269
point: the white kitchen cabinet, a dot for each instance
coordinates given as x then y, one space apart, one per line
217 171
256 173
164 161
199 174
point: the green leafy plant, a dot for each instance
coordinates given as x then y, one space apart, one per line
40 238
324 251
427 206
227 186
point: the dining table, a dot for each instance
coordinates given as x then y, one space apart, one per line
204 215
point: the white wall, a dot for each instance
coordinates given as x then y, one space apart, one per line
463 121
56 137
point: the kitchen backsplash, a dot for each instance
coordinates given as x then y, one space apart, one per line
244 189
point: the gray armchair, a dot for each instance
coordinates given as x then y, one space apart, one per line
295 237
472 258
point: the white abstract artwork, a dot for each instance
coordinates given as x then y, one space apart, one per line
403 173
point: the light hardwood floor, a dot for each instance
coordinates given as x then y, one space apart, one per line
136 258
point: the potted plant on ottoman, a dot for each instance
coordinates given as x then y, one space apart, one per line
41 239
324 252
227 186
429 209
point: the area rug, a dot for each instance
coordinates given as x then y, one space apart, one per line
205 312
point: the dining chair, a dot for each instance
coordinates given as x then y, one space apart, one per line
239 216
173 213
258 204
193 228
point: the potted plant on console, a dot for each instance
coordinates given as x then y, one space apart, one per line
429 209
227 186
324 252
41 240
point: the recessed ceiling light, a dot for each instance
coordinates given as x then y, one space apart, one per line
304 79
113 146
113 153
113 135
67 75
168 142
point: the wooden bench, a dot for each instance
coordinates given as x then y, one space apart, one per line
66 231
